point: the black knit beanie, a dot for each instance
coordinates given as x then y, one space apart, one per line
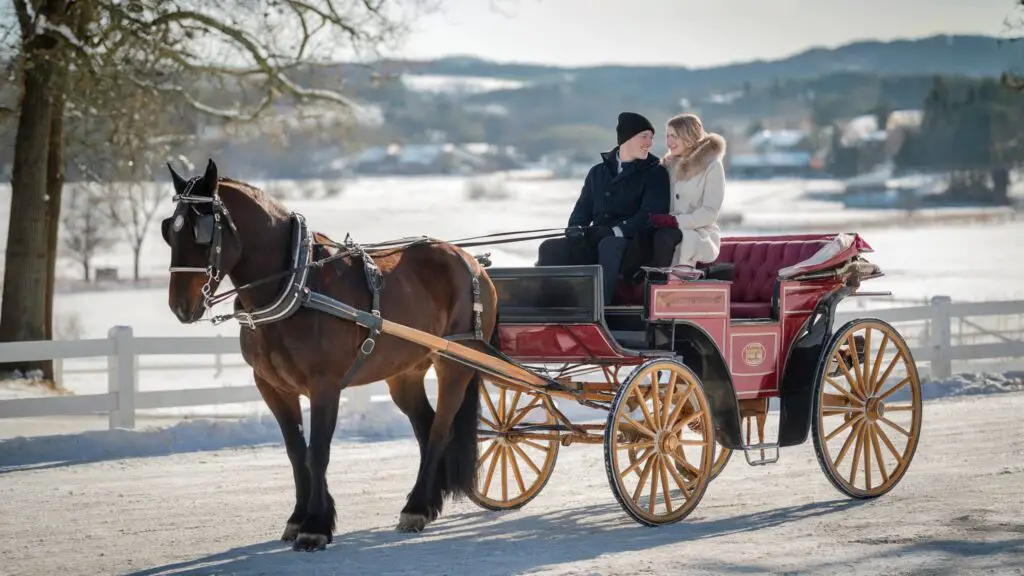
630 124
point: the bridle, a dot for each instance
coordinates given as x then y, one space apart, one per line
207 230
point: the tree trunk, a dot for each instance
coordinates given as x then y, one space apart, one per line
85 269
135 264
54 193
23 312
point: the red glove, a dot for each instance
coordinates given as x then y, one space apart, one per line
664 221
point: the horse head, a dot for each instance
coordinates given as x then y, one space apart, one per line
204 243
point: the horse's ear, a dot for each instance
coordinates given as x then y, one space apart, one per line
209 183
179 182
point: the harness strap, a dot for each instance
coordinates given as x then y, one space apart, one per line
375 282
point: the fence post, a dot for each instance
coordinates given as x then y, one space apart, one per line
941 338
121 377
58 372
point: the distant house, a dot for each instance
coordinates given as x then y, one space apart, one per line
441 158
774 153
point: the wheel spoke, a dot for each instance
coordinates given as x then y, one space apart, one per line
524 411
526 458
515 470
686 489
878 453
853 399
670 394
875 384
680 457
643 480
639 427
851 343
888 443
849 442
490 471
664 486
643 458
655 415
654 483
504 473
857 445
487 453
854 387
895 425
643 408
893 390
490 406
844 426
865 444
889 369
865 370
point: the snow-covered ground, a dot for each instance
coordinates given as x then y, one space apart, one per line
958 510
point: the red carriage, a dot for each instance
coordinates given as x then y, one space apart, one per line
689 367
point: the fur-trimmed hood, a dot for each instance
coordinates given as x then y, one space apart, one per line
712 147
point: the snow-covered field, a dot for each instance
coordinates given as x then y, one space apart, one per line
958 510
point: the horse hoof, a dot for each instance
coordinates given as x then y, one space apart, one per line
310 542
411 522
291 532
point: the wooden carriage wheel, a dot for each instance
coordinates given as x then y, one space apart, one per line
867 409
673 431
512 469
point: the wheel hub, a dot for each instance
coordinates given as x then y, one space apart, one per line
666 442
874 409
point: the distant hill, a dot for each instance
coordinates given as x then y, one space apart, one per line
946 54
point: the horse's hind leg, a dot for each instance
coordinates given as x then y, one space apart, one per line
286 410
448 467
410 396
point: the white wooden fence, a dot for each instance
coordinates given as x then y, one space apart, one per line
935 346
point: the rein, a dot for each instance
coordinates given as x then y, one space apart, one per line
208 230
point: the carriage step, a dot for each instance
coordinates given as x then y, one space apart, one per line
762 448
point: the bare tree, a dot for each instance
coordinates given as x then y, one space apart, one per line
132 209
96 59
86 225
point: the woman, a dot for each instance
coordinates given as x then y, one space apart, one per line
694 164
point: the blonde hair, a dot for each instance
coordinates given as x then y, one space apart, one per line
690 129
698 147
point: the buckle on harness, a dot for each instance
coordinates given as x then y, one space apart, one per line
367 346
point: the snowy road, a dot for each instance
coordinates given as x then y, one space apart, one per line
960 509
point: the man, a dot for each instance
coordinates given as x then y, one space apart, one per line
618 197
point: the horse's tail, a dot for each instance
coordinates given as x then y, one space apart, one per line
460 457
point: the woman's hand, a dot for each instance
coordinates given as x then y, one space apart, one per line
664 221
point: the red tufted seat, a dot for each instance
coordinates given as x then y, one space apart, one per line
757 263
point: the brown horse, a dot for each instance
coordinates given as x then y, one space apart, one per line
314 346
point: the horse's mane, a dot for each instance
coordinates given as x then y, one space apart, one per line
268 203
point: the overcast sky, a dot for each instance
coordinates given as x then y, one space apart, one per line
687 32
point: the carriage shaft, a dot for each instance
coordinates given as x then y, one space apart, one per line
438 344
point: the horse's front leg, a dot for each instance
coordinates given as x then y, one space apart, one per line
317 529
286 409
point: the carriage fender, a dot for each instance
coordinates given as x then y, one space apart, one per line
803 370
699 351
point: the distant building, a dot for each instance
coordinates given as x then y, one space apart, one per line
774 153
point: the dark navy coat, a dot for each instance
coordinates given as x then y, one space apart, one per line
625 200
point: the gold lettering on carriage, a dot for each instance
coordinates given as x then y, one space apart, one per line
753 354
680 299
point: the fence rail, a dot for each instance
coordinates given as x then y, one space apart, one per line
122 350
